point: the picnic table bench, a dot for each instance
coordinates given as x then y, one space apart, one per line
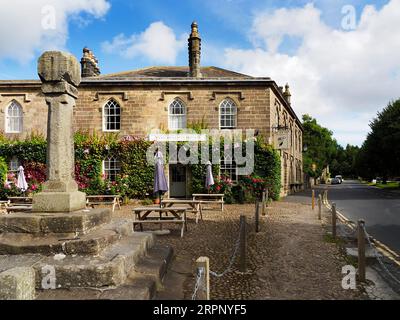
19 204
19 208
144 215
194 205
209 198
20 201
114 200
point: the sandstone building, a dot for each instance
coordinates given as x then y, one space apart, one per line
135 102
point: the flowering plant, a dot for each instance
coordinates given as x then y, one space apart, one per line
223 185
254 184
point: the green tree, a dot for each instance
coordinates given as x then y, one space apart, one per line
380 153
321 147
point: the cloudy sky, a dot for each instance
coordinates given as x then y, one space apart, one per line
341 58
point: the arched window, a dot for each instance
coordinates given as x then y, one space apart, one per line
177 115
14 117
112 116
111 168
227 114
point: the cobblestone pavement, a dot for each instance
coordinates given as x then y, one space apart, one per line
288 259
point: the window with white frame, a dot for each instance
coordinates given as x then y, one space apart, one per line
14 164
227 114
111 168
228 168
177 115
14 117
112 116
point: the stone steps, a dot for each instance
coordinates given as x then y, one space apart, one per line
110 268
91 243
142 282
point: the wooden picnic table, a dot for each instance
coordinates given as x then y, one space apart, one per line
114 200
210 198
194 205
143 215
20 200
19 208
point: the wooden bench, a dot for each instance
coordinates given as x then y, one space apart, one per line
19 208
194 205
145 215
210 198
20 201
114 200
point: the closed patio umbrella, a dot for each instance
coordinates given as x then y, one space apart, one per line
209 175
160 181
21 182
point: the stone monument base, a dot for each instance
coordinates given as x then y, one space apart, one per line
90 254
59 201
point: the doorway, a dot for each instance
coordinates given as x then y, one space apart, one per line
177 181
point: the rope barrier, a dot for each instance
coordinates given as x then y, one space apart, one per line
197 285
232 258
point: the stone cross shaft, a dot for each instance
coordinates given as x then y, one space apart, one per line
60 76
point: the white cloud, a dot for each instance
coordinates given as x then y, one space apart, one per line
28 26
158 43
341 77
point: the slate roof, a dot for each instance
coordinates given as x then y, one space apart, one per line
171 72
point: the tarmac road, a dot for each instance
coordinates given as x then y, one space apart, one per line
379 208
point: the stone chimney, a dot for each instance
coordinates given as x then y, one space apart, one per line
287 94
89 64
194 52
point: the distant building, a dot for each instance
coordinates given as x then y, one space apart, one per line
135 102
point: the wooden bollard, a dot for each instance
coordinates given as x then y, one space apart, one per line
361 250
313 199
334 220
257 216
203 263
319 207
242 259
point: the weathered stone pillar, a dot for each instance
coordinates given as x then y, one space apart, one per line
60 76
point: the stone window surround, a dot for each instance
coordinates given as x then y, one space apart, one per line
103 114
20 116
183 115
235 103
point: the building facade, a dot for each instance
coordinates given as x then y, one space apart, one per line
169 98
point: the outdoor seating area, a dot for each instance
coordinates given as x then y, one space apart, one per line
194 205
159 215
210 198
113 200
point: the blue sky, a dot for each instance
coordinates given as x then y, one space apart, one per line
237 34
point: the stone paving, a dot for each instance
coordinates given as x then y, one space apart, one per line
289 259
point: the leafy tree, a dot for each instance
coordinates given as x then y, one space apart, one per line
321 147
380 153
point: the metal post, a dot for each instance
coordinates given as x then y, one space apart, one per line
203 263
243 264
313 200
334 220
361 250
257 216
319 207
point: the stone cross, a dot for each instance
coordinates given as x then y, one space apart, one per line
60 76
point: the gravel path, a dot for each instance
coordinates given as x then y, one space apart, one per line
288 259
